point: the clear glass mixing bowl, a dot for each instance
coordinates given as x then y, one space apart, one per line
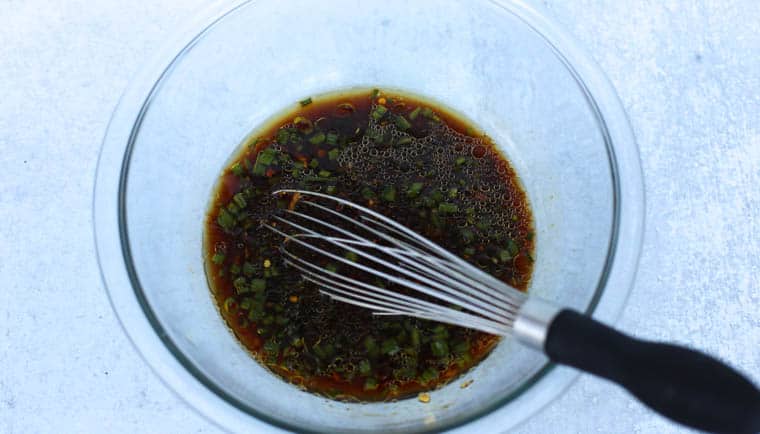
501 64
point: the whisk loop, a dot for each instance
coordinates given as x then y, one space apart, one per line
463 295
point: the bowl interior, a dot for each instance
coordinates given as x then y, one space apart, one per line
475 57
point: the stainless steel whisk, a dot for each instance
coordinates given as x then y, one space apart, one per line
685 385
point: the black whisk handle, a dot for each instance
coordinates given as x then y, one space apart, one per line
684 385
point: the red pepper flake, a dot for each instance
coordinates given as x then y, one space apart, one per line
479 151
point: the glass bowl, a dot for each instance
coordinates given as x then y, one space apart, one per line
500 64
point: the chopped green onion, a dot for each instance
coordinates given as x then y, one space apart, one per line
246 303
389 347
470 212
426 112
512 247
332 139
389 194
258 285
239 200
483 225
414 189
333 154
314 163
218 258
317 138
331 189
375 93
441 331
402 123
248 269
405 373
331 267
414 113
364 367
428 375
351 256
237 169
271 347
253 144
329 350
367 193
263 159
504 255
225 219
463 360
439 348
240 284
235 269
232 208
378 112
468 236
453 192
460 161
283 136
414 337
404 141
370 384
324 173
461 347
447 208
371 346
256 314
436 220
305 102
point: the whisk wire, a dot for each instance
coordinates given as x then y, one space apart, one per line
462 282
447 291
401 257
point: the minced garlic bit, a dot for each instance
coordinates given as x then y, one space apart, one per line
465 384
423 397
381 101
267 263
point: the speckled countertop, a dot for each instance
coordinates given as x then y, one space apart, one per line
688 73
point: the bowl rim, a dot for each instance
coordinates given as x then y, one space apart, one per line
145 332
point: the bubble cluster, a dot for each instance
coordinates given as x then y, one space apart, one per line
387 153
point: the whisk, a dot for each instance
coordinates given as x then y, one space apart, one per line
683 384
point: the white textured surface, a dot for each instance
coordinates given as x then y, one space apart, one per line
688 72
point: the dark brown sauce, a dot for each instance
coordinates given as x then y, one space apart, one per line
404 157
